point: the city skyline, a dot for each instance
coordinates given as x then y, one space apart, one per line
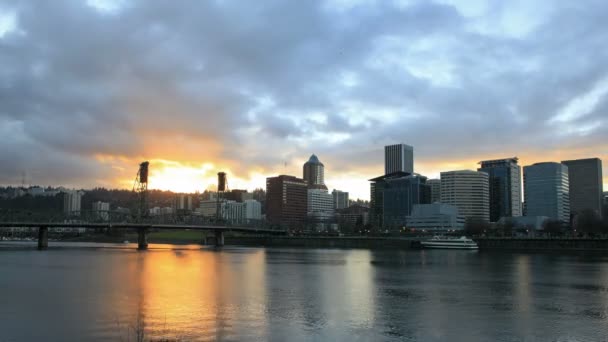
188 89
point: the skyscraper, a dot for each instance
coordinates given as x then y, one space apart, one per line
286 201
505 187
399 157
468 191
435 185
393 197
586 185
314 173
546 191
340 199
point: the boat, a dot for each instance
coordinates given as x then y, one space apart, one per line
450 243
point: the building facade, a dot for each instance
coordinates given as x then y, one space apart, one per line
314 173
71 202
547 191
505 187
585 185
435 185
101 210
353 218
340 199
286 201
398 158
435 217
320 207
393 197
468 191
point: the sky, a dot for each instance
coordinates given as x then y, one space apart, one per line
89 89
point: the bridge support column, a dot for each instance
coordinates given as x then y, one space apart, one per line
43 238
142 238
219 238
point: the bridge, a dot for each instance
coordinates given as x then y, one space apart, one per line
113 220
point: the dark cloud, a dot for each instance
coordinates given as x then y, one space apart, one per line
270 82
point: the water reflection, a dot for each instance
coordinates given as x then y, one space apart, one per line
195 294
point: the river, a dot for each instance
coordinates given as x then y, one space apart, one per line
88 292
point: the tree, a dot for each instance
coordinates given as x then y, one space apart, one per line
475 226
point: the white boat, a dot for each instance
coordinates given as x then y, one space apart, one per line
450 243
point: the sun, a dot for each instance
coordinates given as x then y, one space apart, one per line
173 176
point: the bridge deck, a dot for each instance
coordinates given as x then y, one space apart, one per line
139 225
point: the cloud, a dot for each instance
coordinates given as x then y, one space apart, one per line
253 87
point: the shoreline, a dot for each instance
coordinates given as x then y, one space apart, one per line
359 242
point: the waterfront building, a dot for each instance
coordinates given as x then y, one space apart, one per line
314 173
208 208
320 208
241 212
393 197
505 187
585 185
355 216
71 202
468 191
435 185
286 201
532 223
340 199
238 195
101 210
436 217
546 191
398 158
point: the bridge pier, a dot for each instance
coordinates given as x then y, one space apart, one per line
43 238
219 238
142 238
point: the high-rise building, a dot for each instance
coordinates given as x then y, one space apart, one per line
101 210
468 191
314 173
505 187
435 185
71 202
320 208
340 199
585 184
286 201
546 191
398 158
393 197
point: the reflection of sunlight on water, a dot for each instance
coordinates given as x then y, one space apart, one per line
183 294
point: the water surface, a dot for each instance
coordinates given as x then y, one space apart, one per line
246 294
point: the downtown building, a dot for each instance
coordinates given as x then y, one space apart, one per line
547 191
435 185
320 207
246 212
286 201
505 187
393 197
398 158
468 191
435 217
585 185
340 199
